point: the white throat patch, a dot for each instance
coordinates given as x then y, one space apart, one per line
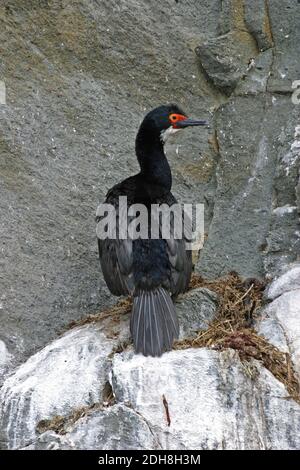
165 134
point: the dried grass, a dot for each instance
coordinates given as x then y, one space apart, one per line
239 304
62 424
122 307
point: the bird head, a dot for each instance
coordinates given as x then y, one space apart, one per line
168 120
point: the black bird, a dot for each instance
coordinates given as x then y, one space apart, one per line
153 271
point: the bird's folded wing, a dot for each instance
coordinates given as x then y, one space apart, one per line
116 260
180 258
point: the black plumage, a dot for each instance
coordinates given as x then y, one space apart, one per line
153 271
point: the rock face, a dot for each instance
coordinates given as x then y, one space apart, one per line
72 372
210 404
289 281
118 427
255 223
196 310
280 320
79 76
215 402
4 358
226 58
69 373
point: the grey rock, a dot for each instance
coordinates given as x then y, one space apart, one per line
230 17
256 175
79 79
283 240
272 330
258 154
240 221
70 372
244 31
288 281
257 20
297 142
214 401
5 358
225 58
49 440
282 315
257 75
284 20
118 428
196 310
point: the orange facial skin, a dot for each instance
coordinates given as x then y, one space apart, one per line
174 118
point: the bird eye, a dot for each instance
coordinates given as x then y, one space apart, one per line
173 117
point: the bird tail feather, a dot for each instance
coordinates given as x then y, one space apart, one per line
154 323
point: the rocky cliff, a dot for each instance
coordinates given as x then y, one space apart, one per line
79 77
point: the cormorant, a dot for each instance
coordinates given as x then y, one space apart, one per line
153 271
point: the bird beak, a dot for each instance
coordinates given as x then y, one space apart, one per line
190 122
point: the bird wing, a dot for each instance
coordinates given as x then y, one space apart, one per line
112 254
179 257
116 254
181 265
